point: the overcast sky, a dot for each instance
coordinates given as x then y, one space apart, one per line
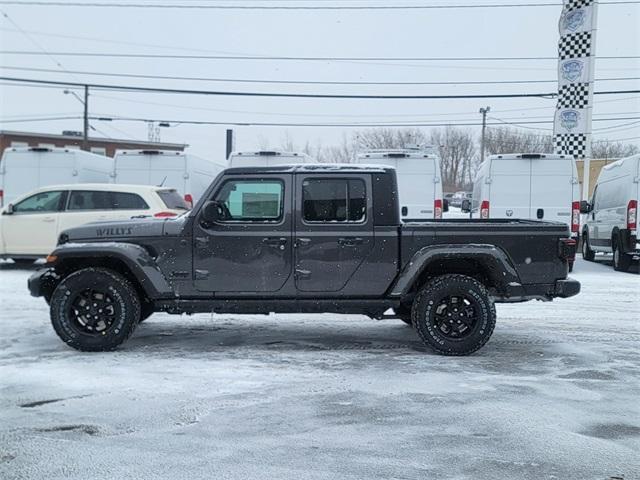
505 32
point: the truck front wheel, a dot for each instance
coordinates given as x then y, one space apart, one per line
454 315
95 309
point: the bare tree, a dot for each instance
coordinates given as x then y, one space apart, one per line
604 149
511 140
457 151
388 138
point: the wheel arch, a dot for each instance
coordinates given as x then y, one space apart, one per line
130 260
488 264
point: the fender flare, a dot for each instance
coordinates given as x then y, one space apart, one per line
138 260
500 267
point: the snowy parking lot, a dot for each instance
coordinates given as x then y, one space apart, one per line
555 394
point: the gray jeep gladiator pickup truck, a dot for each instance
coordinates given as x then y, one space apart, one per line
302 239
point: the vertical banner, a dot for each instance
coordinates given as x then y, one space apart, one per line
576 57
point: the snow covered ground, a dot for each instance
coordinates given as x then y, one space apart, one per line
554 395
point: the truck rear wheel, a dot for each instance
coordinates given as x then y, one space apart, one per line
454 315
95 309
621 261
588 254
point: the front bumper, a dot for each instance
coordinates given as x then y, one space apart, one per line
43 282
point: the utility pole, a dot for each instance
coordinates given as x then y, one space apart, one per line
484 112
85 136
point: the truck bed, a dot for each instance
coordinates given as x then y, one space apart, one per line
532 245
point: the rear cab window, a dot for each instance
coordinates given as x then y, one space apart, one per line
334 200
172 200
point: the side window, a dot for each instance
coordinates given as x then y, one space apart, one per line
89 200
128 201
102 200
333 200
259 200
40 203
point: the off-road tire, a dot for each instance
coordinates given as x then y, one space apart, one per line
621 261
587 254
124 298
424 314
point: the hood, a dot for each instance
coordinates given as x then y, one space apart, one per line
120 230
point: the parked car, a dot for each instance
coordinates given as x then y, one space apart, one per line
189 174
611 224
419 184
264 158
30 227
302 239
534 186
458 198
24 169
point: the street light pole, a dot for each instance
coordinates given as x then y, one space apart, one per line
484 112
85 137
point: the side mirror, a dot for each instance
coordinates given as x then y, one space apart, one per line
212 212
466 206
585 207
8 210
445 205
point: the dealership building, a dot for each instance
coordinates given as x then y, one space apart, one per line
71 139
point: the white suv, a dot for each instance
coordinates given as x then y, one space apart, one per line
612 215
29 227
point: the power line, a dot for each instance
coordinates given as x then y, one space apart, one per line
299 95
297 82
295 7
305 58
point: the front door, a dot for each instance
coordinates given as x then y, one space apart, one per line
334 232
32 228
249 250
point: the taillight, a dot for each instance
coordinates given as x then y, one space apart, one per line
437 209
1 198
189 199
575 217
165 214
632 215
567 248
484 209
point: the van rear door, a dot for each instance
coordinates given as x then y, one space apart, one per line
510 188
553 181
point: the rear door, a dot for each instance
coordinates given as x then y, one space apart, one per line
334 230
416 188
552 184
510 188
32 229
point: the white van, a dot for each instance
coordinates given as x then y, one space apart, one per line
189 174
265 158
529 186
612 214
419 184
23 169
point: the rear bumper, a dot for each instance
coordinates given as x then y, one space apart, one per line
541 291
42 283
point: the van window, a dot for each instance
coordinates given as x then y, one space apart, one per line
252 200
334 200
103 200
40 203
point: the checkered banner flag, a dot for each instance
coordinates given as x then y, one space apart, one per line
576 49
